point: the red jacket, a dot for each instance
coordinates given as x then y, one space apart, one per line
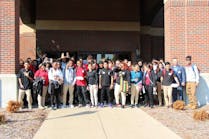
32 68
44 74
80 76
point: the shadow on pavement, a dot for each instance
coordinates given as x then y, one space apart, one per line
75 114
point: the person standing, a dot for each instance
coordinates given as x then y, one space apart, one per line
168 78
69 83
92 80
64 59
124 75
106 84
55 82
140 63
136 85
192 81
25 79
159 84
116 79
43 74
48 66
81 84
149 81
129 64
158 88
100 67
181 75
31 67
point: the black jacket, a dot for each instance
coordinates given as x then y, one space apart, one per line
27 83
116 76
126 75
92 77
106 76
38 86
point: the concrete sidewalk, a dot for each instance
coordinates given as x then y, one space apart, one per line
106 123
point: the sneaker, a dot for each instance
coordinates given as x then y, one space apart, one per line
122 106
41 107
145 105
71 106
132 106
92 106
193 107
53 107
110 105
87 106
105 103
160 105
80 105
64 106
118 105
56 107
101 105
189 106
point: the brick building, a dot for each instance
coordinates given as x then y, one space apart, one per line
123 28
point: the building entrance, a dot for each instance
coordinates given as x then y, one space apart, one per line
101 55
88 26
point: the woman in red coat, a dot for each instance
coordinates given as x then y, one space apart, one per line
43 74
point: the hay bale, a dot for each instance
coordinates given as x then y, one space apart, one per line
13 106
2 118
201 115
179 105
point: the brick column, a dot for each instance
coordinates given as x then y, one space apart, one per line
9 49
187 31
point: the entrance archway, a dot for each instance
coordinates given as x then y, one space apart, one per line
134 27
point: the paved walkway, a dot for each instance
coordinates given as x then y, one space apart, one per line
106 123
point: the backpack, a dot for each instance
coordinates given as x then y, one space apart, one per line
193 65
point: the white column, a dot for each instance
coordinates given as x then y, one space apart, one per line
8 88
203 89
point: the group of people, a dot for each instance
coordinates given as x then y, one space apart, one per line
107 83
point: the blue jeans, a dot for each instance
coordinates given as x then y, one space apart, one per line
177 94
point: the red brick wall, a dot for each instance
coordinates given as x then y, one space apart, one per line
28 45
9 45
187 31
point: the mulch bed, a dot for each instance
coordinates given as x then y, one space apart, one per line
181 122
22 124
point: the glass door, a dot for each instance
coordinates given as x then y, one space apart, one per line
99 56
